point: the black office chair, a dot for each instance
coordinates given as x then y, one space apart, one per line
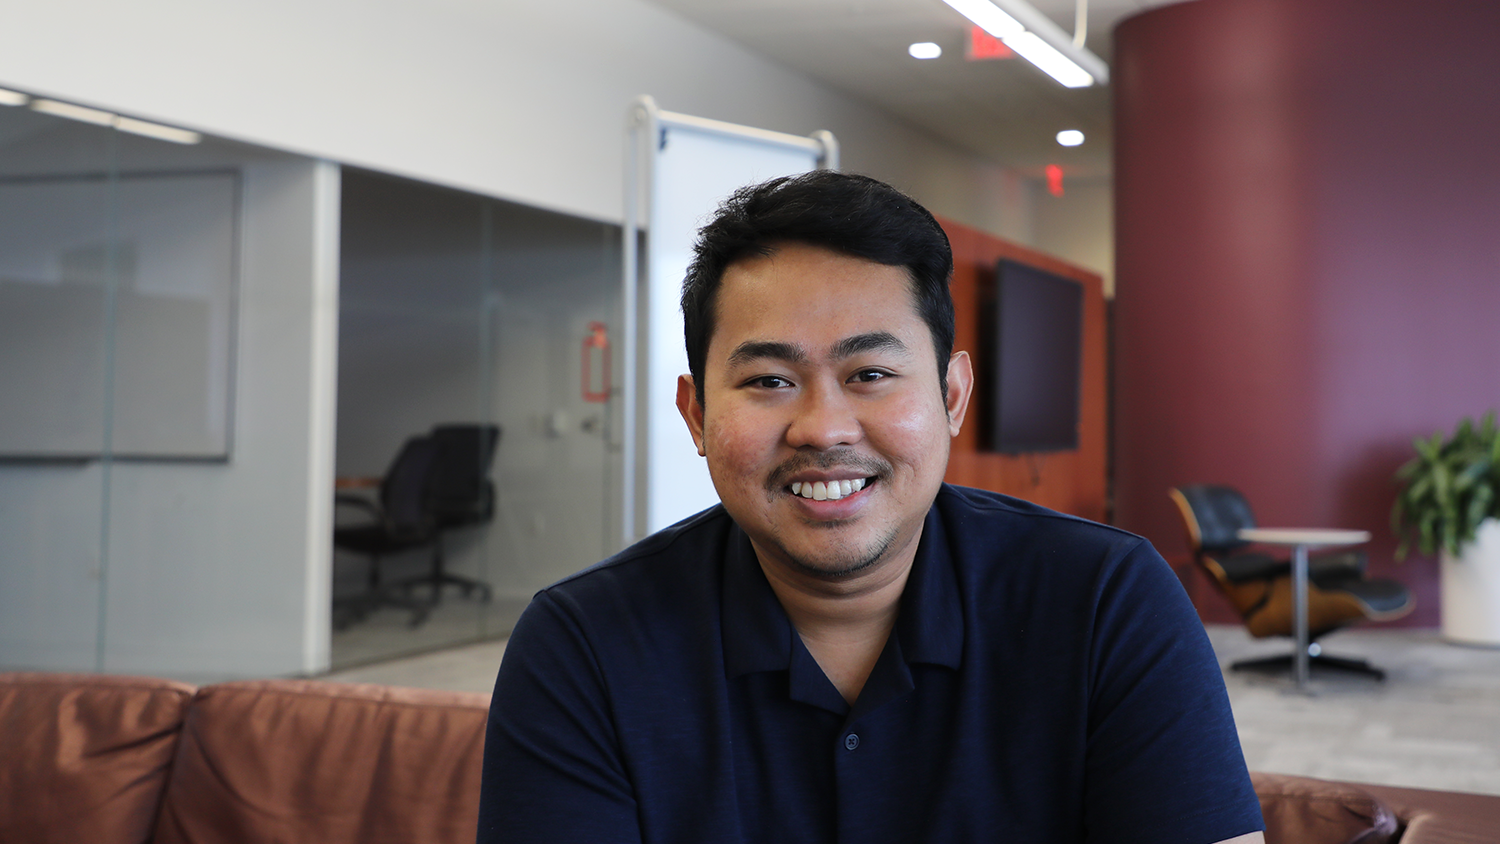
399 522
458 493
1259 586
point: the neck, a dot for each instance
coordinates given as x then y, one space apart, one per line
844 624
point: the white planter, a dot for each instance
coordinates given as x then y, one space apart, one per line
1471 589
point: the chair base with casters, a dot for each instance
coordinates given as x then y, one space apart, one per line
353 608
439 576
1260 587
1316 659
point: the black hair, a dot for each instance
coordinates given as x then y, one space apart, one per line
844 212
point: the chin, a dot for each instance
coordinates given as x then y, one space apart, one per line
840 563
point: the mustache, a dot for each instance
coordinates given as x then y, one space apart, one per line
835 458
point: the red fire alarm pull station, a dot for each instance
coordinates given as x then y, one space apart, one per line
596 363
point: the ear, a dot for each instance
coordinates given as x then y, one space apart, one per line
960 388
691 410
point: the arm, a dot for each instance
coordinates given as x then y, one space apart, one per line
552 766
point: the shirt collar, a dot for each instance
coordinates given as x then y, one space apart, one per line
758 635
931 623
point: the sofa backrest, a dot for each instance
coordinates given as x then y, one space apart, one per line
86 757
294 761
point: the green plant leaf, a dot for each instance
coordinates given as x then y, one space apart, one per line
1448 488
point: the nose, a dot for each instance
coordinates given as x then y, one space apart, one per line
825 418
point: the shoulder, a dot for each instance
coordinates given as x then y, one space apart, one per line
1006 552
685 544
677 566
976 518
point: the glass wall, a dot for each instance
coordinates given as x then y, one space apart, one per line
186 382
460 310
58 279
158 317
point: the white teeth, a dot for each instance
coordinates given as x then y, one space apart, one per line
827 491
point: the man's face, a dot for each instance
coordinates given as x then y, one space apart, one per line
823 421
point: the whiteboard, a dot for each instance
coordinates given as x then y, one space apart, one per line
116 315
694 164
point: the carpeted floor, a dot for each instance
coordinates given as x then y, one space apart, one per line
1434 722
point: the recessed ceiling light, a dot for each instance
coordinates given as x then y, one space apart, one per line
13 98
1070 137
924 50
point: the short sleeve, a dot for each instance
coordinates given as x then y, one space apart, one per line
552 766
1164 761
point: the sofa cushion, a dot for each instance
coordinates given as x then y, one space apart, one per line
1441 817
305 761
86 756
1302 810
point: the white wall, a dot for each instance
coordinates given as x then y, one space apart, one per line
1079 226
521 99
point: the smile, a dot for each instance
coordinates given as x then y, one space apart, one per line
827 491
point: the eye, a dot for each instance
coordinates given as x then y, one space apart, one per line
866 376
768 382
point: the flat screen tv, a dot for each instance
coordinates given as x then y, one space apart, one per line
1035 355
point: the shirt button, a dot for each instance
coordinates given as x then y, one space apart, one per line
851 741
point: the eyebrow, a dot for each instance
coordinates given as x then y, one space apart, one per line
874 341
752 350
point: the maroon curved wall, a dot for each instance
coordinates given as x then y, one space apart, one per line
1307 255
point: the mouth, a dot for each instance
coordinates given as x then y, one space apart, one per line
832 490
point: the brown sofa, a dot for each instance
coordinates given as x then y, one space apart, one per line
101 759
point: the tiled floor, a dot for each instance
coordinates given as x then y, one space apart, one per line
1433 723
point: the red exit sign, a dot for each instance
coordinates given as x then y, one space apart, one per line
984 46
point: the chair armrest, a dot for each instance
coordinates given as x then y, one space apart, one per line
369 509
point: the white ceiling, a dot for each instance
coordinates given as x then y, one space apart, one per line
1005 110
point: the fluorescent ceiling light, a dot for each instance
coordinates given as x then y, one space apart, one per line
1034 37
156 130
74 112
988 17
13 98
100 117
1070 137
1049 61
924 50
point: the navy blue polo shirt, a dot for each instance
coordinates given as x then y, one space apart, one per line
1047 681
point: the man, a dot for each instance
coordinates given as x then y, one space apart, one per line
848 649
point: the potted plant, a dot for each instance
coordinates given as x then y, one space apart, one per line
1450 503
